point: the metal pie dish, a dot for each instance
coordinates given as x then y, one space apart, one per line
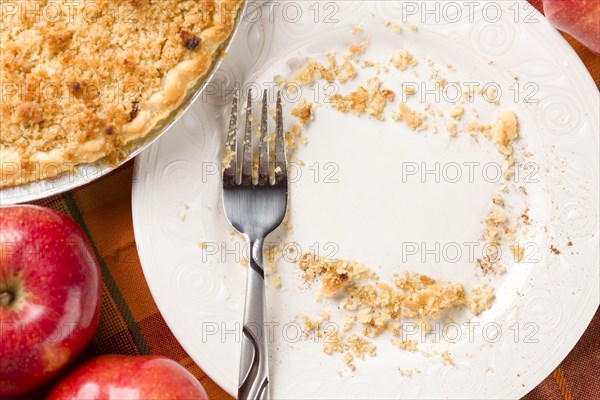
88 172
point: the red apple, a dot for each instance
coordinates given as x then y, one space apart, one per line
49 295
579 18
114 377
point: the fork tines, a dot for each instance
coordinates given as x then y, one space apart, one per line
268 155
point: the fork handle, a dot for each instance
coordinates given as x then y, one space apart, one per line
254 369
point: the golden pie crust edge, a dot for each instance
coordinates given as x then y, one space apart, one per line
41 166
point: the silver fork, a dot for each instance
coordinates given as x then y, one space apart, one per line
255 206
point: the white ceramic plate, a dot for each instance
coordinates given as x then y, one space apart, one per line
352 198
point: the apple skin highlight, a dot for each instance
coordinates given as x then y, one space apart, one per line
50 289
112 377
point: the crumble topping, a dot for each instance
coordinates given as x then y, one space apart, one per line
275 281
446 359
408 345
480 299
409 90
371 99
303 110
457 111
314 325
77 94
414 120
504 131
495 230
292 136
357 49
378 306
348 360
491 95
345 72
312 72
452 129
333 343
272 254
370 306
227 157
359 346
518 251
372 64
408 372
402 59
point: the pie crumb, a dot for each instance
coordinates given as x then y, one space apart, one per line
359 346
378 306
457 111
275 280
452 129
371 99
408 371
303 111
480 298
348 360
446 359
287 224
518 251
412 119
402 59
409 345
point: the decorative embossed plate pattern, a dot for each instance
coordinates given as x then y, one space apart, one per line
542 306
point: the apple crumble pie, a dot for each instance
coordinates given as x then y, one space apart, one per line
78 89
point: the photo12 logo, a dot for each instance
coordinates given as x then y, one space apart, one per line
295 331
294 12
455 11
327 172
68 11
467 172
